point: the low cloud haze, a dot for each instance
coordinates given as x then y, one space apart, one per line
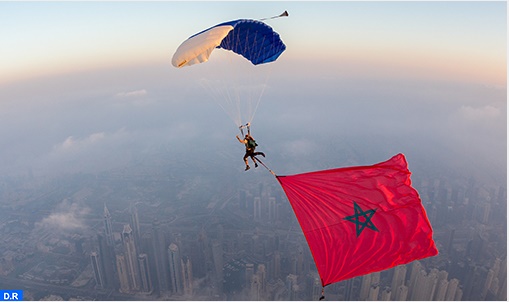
97 121
67 217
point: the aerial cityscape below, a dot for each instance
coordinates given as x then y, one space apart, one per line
164 229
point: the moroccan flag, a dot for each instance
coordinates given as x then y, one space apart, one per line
360 220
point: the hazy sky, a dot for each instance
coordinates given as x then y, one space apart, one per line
91 83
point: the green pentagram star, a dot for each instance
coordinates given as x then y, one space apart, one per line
362 219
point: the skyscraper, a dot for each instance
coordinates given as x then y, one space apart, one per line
217 256
98 271
441 290
131 257
451 289
108 231
146 280
249 273
401 293
398 279
365 286
277 265
487 283
135 223
441 286
160 254
257 208
255 289
107 260
374 289
272 210
317 289
175 266
291 287
123 275
425 286
414 273
187 276
262 277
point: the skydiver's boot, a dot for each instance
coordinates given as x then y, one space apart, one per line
247 168
262 154
256 165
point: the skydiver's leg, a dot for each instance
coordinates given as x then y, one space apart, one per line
245 161
260 153
254 160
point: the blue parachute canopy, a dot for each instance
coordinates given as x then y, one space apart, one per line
252 39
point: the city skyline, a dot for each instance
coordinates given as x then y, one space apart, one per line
231 231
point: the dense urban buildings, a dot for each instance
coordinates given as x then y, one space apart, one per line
141 233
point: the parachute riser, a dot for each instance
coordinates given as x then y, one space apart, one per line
245 126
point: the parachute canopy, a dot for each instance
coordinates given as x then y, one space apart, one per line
252 39
360 220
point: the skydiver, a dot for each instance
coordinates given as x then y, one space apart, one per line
250 144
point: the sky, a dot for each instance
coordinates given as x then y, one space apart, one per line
89 85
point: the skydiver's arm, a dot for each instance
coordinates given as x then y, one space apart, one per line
242 141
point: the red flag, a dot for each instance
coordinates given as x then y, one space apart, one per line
360 220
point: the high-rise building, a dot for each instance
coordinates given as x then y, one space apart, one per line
107 261
272 210
98 271
450 241
300 260
401 293
369 287
160 255
175 266
365 286
257 208
350 289
487 283
451 290
292 287
486 213
135 223
441 290
499 289
277 265
317 289
187 276
123 275
217 258
419 287
255 289
375 287
249 273
262 277
131 257
146 280
414 273
431 283
108 230
459 294
386 294
398 279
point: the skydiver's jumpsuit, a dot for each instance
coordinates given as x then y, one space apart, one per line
250 151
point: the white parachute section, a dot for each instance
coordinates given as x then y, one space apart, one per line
237 74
